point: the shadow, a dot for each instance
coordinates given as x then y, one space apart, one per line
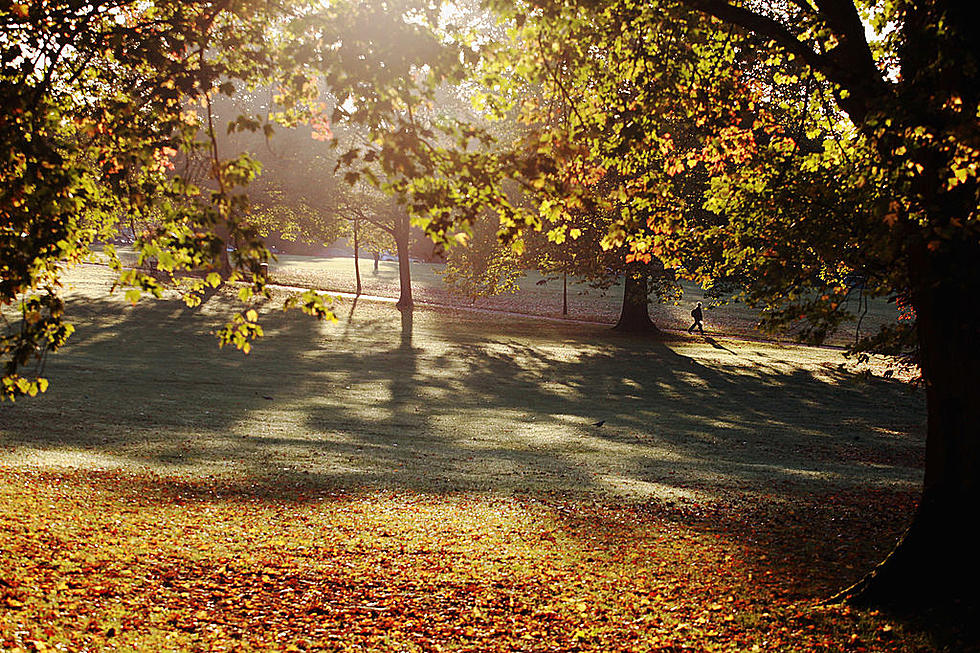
714 343
148 384
445 403
406 332
435 401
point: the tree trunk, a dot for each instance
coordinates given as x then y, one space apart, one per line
404 268
357 266
936 562
224 260
564 293
635 317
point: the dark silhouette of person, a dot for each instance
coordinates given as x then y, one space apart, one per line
698 315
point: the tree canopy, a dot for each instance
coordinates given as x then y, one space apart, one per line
774 143
99 101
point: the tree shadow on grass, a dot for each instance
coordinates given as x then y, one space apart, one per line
467 413
402 401
427 402
149 383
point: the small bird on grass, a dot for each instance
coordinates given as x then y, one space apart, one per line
599 423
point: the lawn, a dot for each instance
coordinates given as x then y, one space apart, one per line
539 296
439 481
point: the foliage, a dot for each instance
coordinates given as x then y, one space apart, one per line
101 98
298 196
724 150
99 101
772 144
479 265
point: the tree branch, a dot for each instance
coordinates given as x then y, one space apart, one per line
850 64
763 26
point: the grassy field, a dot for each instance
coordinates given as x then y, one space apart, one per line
437 480
545 299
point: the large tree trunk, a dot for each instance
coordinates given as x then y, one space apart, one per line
401 232
635 317
937 561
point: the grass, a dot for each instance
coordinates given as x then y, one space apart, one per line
436 481
537 296
541 297
449 401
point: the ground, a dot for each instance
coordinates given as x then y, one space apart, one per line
436 480
542 296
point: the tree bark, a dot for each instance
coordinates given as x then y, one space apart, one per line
635 317
936 562
401 233
357 265
564 293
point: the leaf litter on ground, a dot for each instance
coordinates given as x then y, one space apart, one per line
115 559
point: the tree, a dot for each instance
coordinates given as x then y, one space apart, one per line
889 193
388 215
380 219
285 201
362 233
526 160
575 247
479 265
99 97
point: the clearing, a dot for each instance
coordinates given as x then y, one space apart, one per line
438 481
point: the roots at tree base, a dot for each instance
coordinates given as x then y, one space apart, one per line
936 564
634 317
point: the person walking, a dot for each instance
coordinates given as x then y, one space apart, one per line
698 315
